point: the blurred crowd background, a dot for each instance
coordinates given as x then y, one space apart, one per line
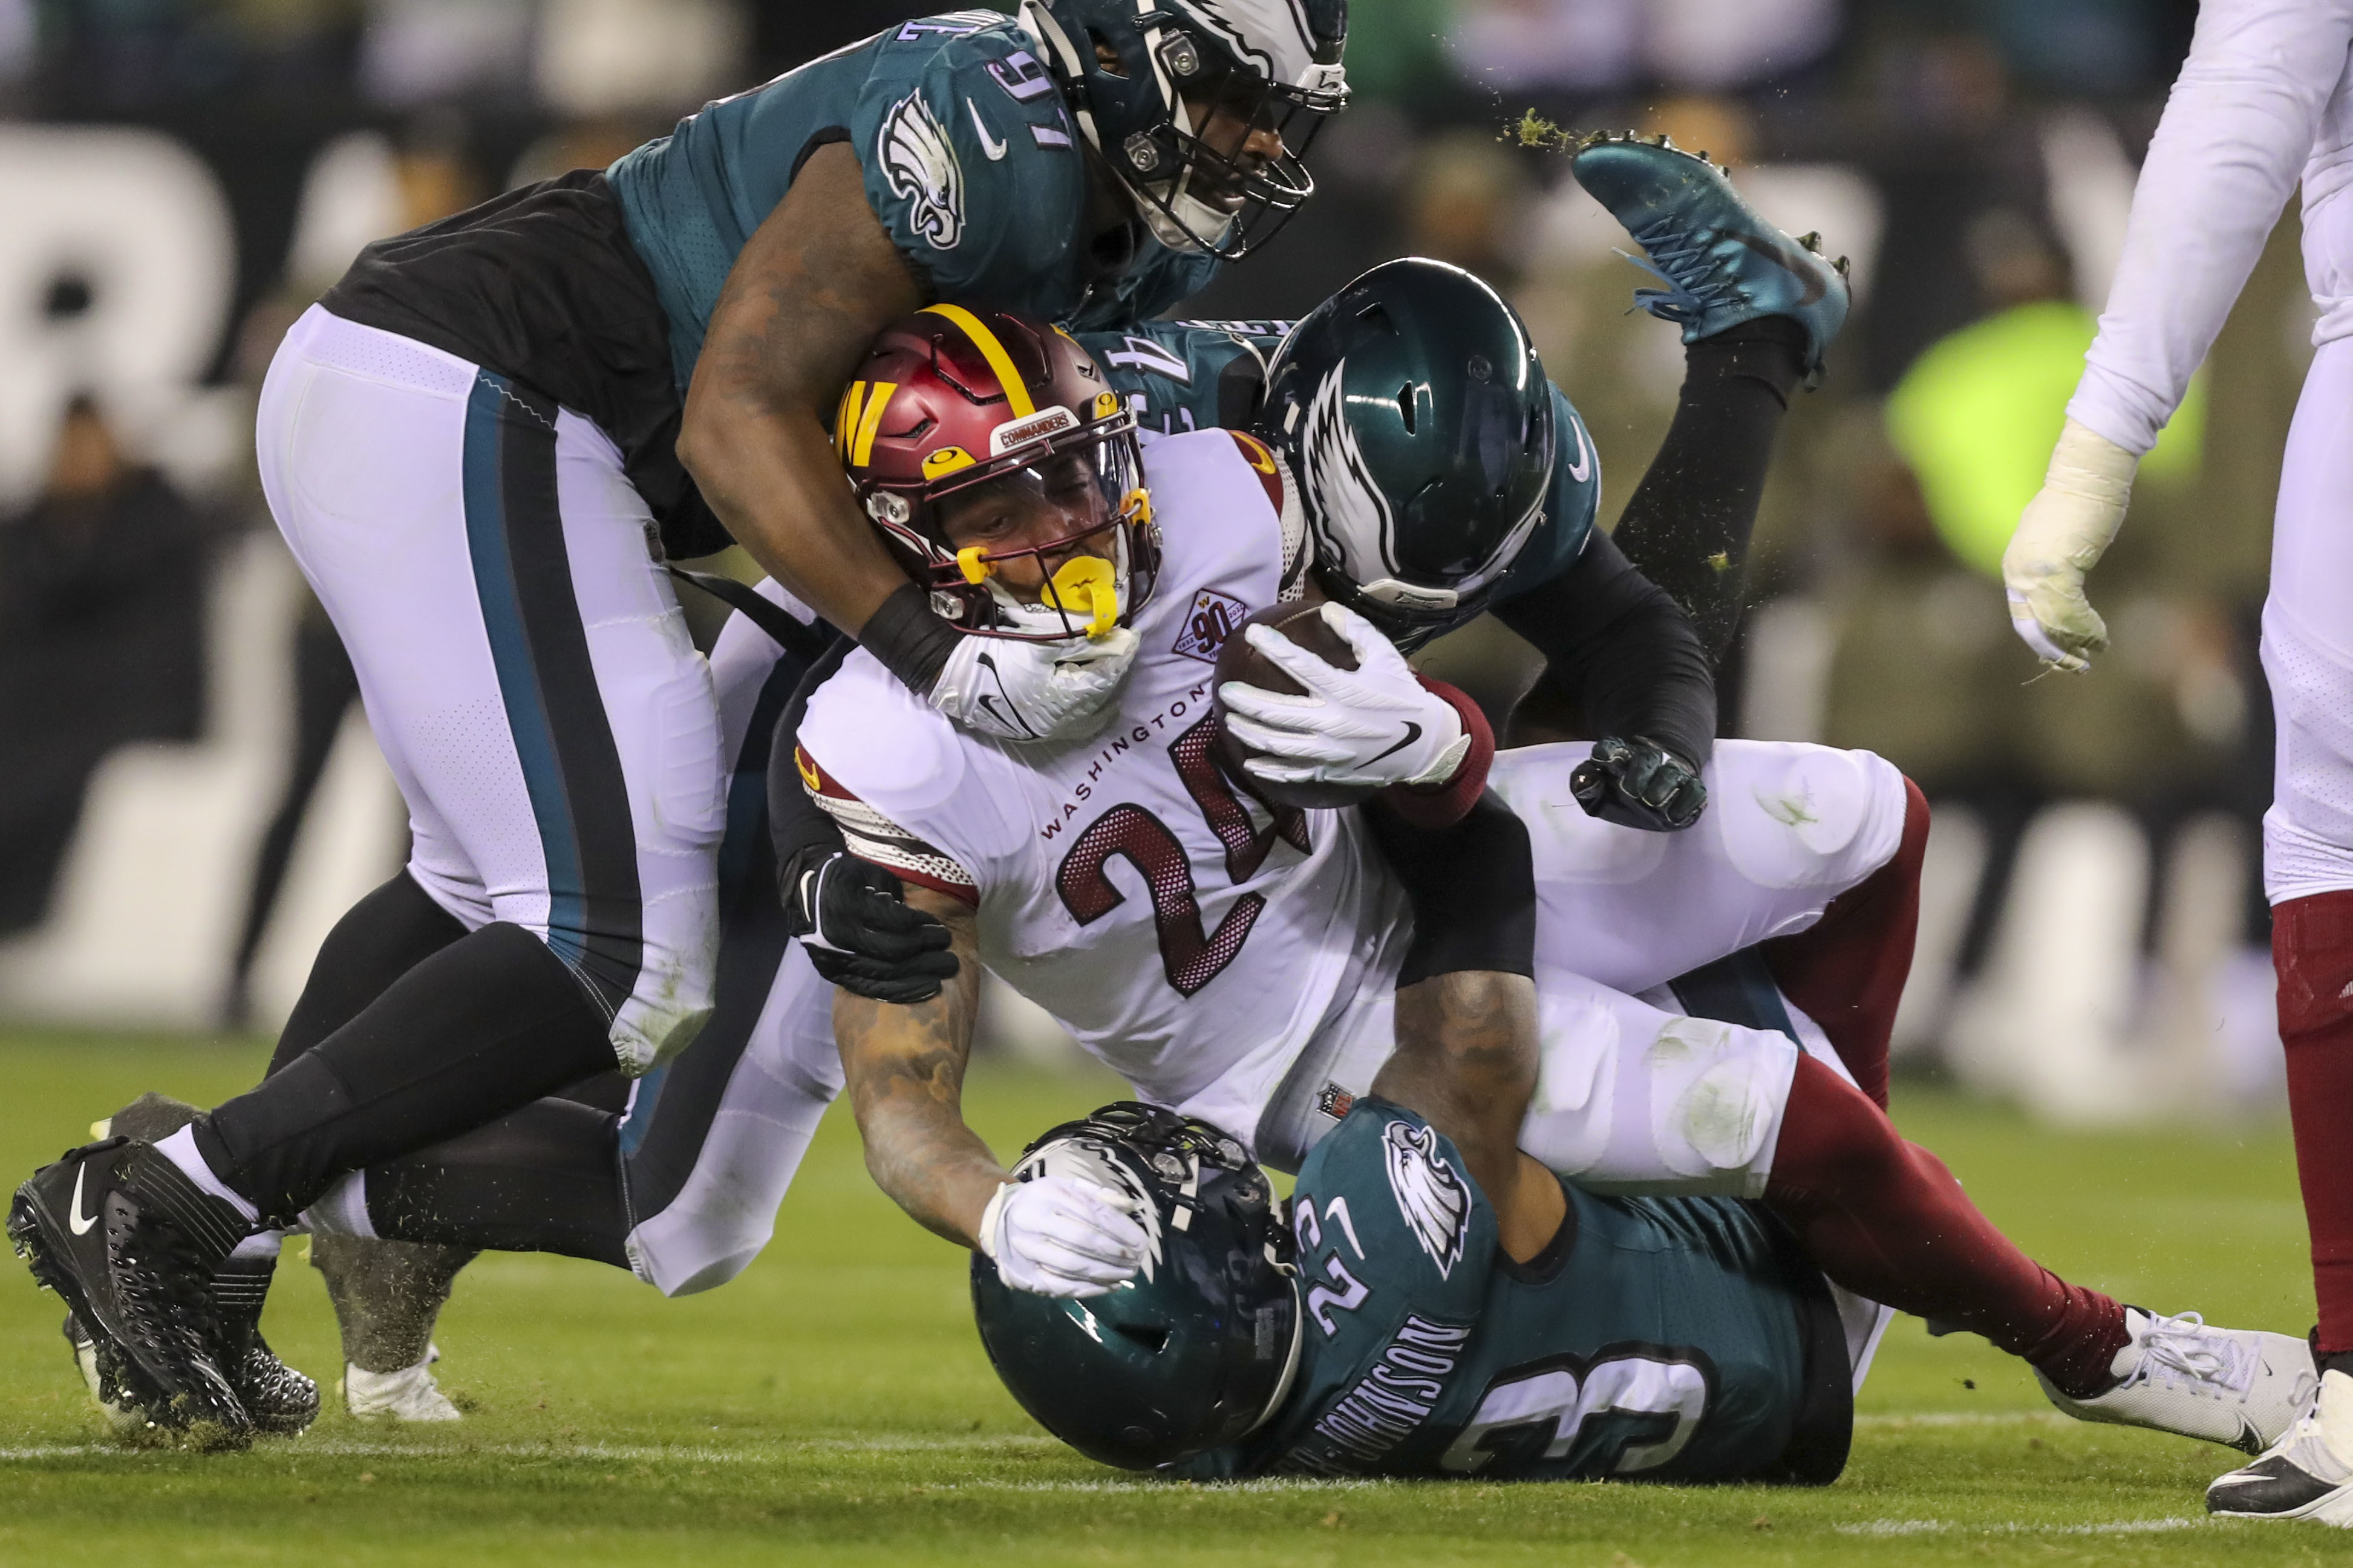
190 796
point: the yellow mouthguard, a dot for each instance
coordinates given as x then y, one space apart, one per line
1084 583
973 562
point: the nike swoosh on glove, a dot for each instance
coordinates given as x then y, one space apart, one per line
1010 690
1638 783
1375 724
853 919
2061 536
1057 1236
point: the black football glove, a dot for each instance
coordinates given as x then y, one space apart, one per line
1638 783
854 923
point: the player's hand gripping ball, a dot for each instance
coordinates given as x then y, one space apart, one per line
1317 710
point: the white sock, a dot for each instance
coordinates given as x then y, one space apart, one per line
259 1245
180 1148
342 1209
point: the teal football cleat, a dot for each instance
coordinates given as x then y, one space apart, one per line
1721 262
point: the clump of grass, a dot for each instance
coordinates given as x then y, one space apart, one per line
1533 130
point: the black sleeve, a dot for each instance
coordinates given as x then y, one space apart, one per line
1620 654
796 822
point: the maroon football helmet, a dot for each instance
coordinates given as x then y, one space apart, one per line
962 415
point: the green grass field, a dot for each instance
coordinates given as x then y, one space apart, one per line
833 1403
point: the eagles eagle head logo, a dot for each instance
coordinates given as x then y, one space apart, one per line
1431 1196
921 163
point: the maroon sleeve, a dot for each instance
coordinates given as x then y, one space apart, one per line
1444 804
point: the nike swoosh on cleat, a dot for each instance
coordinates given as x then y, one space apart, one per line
81 1226
1412 733
988 144
1779 254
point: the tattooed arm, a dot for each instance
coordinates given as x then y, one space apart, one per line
1466 1062
905 1071
813 284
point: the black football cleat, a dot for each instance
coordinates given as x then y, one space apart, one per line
282 1401
131 1243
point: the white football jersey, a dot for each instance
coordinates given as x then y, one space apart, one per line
1189 937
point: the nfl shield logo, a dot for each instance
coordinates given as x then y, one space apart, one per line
1211 620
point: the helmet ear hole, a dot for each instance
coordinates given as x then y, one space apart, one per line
1150 1336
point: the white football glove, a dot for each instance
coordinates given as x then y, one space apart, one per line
1375 724
1009 689
2064 530
1058 1236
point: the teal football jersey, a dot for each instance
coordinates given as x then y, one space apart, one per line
1188 375
1656 1339
970 159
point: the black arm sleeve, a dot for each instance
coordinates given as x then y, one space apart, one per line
1620 654
796 822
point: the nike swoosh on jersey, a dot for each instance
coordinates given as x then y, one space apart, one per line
988 144
75 1219
1581 469
1412 733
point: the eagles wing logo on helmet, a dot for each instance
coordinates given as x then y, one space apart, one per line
921 163
1272 36
1432 1198
1354 529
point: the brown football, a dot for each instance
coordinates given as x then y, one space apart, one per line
1237 660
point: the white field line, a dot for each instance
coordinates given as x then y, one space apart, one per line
336 1447
1967 1418
1943 1527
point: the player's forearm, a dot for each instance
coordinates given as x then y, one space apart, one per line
1466 1062
903 1068
813 285
772 478
1622 659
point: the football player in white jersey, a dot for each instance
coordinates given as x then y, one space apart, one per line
2266 99
1254 965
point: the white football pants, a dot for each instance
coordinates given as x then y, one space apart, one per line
2308 641
1635 1094
523 659
713 1140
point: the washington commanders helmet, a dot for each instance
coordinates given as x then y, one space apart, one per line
1128 67
1198 1350
954 405
1412 410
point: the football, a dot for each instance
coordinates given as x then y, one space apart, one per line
1237 660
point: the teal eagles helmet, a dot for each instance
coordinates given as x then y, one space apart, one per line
1415 416
1195 1351
1272 63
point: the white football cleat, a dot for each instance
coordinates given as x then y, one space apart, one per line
2236 1386
409 1394
2307 1474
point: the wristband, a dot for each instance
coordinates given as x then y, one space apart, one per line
912 642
